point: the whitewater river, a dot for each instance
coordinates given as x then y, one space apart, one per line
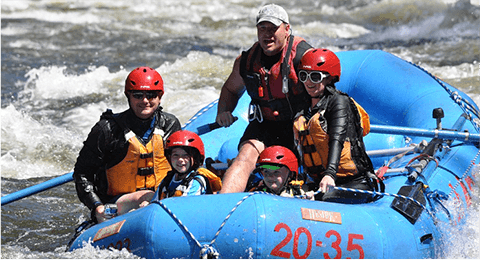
65 62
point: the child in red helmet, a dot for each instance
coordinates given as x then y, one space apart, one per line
185 152
279 167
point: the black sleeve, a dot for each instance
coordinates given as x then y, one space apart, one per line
169 125
89 161
337 120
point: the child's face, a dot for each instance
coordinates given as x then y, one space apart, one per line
180 160
275 179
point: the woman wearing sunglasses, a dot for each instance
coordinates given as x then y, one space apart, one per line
122 161
328 132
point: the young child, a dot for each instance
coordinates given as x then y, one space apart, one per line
279 167
185 153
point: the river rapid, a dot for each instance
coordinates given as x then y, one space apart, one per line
65 62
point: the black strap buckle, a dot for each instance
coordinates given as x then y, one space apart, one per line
145 171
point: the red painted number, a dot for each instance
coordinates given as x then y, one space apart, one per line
351 245
299 231
276 251
335 245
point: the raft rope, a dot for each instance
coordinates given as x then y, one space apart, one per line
207 251
383 194
462 102
465 173
199 113
374 193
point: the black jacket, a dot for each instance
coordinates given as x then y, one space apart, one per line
342 123
106 146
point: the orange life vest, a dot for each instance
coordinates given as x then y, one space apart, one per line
265 86
364 118
213 183
314 141
143 167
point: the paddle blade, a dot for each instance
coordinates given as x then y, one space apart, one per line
210 127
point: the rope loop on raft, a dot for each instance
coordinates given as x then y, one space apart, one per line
231 212
207 251
179 222
439 196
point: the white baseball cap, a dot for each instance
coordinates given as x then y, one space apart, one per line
272 13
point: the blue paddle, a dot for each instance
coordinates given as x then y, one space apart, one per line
37 188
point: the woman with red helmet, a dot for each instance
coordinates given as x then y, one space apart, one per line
279 167
330 134
122 161
185 153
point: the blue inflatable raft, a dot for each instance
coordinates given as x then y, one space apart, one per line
428 164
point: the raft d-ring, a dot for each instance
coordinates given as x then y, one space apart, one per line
209 252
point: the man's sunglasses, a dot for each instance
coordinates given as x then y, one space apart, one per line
143 94
315 76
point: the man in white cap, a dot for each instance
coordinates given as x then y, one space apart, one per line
268 72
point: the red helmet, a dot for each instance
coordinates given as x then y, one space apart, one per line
279 155
321 60
188 140
144 78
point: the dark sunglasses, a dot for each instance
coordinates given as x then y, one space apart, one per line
270 29
143 94
315 76
269 167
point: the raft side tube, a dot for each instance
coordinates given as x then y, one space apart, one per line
376 79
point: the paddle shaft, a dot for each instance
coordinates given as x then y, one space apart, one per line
444 134
37 188
210 127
